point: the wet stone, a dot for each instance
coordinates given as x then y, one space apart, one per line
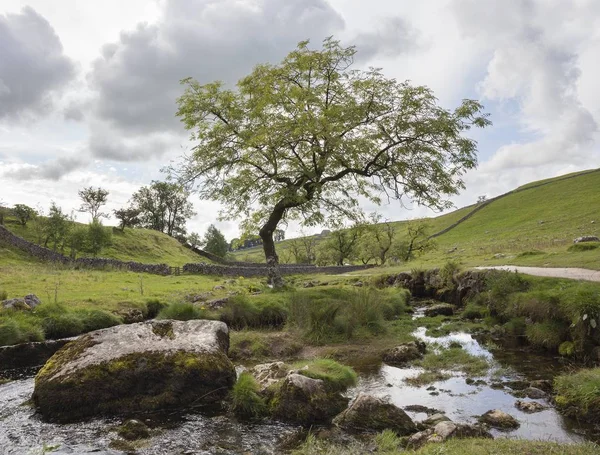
531 392
435 419
133 429
499 419
529 407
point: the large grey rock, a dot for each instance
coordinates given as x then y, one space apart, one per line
135 368
371 414
447 430
305 401
586 238
404 353
267 374
29 302
440 309
499 419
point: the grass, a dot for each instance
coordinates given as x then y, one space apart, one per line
454 359
338 377
531 227
578 394
387 443
427 377
244 398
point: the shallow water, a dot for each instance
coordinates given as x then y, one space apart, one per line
23 432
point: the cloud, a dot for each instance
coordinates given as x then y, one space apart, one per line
136 79
395 36
33 66
50 170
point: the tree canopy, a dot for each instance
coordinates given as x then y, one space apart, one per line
91 201
214 242
306 138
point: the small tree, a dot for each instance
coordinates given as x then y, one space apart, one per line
279 235
56 228
98 237
342 244
193 239
128 217
418 241
377 240
305 139
77 240
214 242
92 199
23 213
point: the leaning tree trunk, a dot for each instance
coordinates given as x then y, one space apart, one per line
274 277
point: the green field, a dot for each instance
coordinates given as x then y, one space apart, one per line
533 225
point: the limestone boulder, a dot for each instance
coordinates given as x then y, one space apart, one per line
447 430
500 420
586 238
529 407
404 353
29 302
267 374
135 368
372 414
305 401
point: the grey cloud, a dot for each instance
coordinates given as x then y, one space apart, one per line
49 170
137 78
112 147
394 37
32 64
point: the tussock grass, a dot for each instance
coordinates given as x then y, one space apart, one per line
183 311
245 400
578 394
455 359
586 246
338 377
427 377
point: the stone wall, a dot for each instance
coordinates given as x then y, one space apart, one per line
259 270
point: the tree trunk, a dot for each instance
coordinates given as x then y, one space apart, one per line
274 277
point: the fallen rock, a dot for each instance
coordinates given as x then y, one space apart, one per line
440 309
133 429
29 302
137 367
404 353
586 238
435 419
305 401
529 407
267 374
371 414
499 419
447 430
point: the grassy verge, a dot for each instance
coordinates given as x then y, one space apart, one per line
387 443
578 394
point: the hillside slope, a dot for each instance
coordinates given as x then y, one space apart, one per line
532 225
139 245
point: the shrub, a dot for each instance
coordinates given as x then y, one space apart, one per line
97 319
183 312
15 330
448 273
154 307
336 376
245 400
538 306
62 325
516 327
585 246
242 312
578 394
525 254
474 311
547 335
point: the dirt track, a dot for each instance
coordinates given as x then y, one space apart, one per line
572 273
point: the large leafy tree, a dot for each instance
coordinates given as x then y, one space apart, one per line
306 138
23 213
214 242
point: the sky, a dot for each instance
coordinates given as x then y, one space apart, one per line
88 89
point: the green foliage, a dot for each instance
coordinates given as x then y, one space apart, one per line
92 199
15 329
23 213
585 246
97 319
183 311
578 394
474 311
337 377
549 334
56 228
3 295
243 312
154 307
128 217
566 348
245 400
98 237
214 242
454 359
448 274
426 378
62 325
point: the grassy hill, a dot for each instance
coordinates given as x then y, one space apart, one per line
140 245
532 225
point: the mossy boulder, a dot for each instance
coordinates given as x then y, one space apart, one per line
500 420
440 309
305 401
135 368
404 353
371 414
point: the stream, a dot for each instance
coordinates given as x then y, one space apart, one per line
22 432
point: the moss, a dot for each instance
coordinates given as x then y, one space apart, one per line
136 382
163 329
337 377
